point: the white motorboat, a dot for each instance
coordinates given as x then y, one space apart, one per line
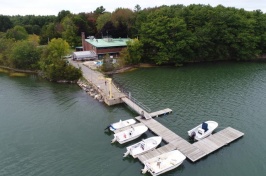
129 134
203 130
121 124
163 163
143 146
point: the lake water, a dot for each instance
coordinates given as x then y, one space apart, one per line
57 129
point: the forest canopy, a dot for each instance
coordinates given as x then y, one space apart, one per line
166 34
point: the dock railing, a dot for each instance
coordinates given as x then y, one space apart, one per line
129 96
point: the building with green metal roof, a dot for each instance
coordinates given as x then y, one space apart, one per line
106 45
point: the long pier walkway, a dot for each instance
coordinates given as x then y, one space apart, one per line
137 108
110 93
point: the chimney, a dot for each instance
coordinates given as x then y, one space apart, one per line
83 40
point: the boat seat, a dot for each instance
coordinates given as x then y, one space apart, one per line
205 126
201 131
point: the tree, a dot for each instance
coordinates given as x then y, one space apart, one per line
54 67
99 10
5 23
224 33
32 20
91 21
107 29
25 55
260 30
33 29
166 39
61 70
102 20
62 14
5 50
135 51
17 33
107 64
124 16
137 8
69 33
123 57
58 48
35 39
81 24
50 31
140 18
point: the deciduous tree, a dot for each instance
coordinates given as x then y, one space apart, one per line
5 50
5 23
102 20
62 14
99 10
123 17
166 39
50 31
135 51
17 33
54 67
70 30
25 55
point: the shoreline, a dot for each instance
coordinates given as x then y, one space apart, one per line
134 67
18 70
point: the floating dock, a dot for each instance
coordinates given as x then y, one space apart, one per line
194 151
154 114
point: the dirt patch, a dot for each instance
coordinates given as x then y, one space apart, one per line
122 70
145 65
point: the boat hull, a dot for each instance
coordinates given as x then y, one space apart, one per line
143 146
122 124
129 134
164 162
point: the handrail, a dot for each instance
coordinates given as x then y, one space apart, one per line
129 96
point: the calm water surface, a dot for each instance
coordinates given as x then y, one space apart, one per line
51 129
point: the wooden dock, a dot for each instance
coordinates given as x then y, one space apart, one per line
136 108
218 140
194 151
112 95
154 114
161 112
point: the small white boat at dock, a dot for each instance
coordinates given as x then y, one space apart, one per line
143 146
203 130
163 163
129 134
121 124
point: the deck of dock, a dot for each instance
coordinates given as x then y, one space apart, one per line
194 151
154 114
136 108
105 87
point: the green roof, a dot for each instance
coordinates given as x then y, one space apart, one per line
100 43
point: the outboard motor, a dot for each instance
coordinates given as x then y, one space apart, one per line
107 127
193 134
